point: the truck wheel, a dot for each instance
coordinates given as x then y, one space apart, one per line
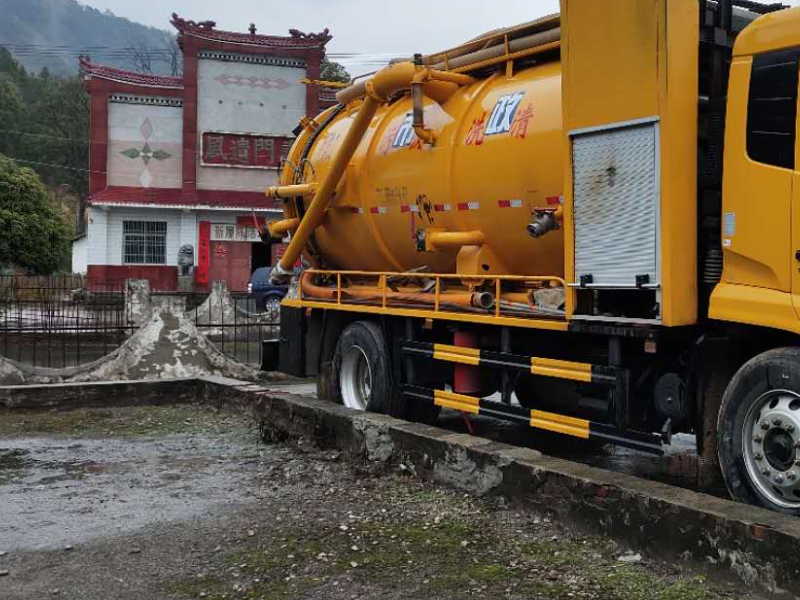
758 431
362 369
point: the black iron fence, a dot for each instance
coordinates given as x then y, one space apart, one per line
62 321
56 322
234 324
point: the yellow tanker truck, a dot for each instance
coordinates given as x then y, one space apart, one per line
588 224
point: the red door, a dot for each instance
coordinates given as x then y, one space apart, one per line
230 262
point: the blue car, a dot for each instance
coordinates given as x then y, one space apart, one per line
267 295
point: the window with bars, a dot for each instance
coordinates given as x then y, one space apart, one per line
144 242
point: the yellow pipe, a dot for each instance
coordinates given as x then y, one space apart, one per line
513 56
277 229
287 191
455 239
457 78
318 206
386 82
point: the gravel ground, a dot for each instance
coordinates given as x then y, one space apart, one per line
185 503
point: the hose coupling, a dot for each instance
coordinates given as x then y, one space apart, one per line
279 275
544 221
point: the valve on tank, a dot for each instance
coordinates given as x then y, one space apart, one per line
544 221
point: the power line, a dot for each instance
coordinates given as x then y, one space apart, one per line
123 52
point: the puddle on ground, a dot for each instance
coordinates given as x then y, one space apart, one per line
57 492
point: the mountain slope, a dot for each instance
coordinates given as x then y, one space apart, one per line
52 33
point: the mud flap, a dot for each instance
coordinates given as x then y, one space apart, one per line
291 349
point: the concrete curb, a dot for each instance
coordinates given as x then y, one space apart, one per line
759 547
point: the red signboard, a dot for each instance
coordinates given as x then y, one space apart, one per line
242 150
203 253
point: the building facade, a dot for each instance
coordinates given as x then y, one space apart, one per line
179 165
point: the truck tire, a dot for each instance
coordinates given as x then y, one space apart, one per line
361 367
758 431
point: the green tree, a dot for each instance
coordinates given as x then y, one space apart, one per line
12 112
35 236
333 71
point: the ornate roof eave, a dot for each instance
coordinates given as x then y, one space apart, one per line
92 70
296 40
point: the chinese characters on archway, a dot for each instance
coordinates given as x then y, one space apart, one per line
235 149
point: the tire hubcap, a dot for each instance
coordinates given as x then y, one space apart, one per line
355 379
771 440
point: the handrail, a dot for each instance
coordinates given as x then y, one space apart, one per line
469 300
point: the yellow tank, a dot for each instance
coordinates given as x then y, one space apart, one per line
496 159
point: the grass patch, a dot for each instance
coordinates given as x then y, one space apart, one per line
450 559
139 421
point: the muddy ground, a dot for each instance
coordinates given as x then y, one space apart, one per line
184 502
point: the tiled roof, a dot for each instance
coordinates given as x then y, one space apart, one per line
171 197
131 77
206 30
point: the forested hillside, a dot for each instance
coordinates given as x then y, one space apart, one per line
52 33
44 123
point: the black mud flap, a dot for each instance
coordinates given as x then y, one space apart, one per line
270 353
291 349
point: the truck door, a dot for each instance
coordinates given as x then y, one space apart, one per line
759 172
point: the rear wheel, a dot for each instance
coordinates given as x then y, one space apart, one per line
759 431
362 369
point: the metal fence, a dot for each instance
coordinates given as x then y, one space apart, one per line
61 321
238 329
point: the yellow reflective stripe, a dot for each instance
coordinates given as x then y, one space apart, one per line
457 354
560 423
563 369
460 402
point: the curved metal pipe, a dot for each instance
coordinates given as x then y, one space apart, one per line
378 89
288 191
455 239
277 229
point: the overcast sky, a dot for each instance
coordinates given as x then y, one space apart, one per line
372 27
376 28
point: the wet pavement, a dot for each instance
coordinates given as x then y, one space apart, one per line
55 493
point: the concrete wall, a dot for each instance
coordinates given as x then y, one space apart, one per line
144 145
235 96
80 249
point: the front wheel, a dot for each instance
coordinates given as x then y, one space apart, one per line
758 431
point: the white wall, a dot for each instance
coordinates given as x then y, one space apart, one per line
103 241
79 255
96 237
241 97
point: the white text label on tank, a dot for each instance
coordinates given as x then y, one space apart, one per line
503 113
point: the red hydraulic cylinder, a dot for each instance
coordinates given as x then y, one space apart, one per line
466 378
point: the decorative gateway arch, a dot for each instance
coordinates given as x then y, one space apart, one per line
182 162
